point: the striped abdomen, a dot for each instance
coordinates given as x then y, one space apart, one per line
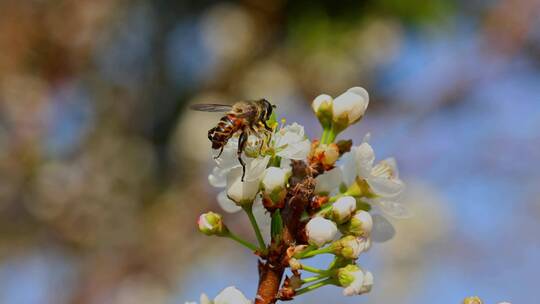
226 127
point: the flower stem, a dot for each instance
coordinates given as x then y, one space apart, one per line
317 252
314 270
315 278
249 211
314 286
241 241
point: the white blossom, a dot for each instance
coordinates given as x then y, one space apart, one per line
354 280
361 223
329 181
382 178
320 231
290 142
275 178
343 208
351 105
321 100
229 295
241 192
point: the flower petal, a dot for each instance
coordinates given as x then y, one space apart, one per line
263 219
231 295
227 204
394 209
218 177
328 181
385 187
364 157
255 168
348 168
383 230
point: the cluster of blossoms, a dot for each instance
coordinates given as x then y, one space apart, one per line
305 198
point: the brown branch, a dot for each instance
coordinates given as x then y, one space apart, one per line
302 185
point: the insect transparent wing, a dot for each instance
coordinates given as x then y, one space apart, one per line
211 107
395 209
382 230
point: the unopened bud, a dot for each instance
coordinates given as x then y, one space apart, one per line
349 107
350 246
472 300
354 280
320 231
343 209
360 224
211 223
322 106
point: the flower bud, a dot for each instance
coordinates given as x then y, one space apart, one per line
343 209
320 231
294 264
360 224
211 223
231 295
274 187
349 107
322 106
350 246
324 154
472 300
241 192
354 280
275 179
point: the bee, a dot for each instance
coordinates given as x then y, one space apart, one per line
244 117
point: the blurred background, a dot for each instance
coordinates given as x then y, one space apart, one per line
103 172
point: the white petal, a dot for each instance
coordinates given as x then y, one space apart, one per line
394 209
228 158
319 100
231 295
204 299
364 157
263 219
385 187
255 168
328 181
297 150
218 177
238 191
227 204
320 231
348 168
383 230
274 178
352 103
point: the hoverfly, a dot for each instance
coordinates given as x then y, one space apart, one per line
244 117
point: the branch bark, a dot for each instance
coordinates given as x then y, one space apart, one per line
302 185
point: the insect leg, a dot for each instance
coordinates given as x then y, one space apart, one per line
266 126
241 144
220 152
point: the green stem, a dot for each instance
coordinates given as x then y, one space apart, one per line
314 286
331 137
324 135
241 241
313 279
249 211
317 252
314 270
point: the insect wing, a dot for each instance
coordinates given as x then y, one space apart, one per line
383 230
211 107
